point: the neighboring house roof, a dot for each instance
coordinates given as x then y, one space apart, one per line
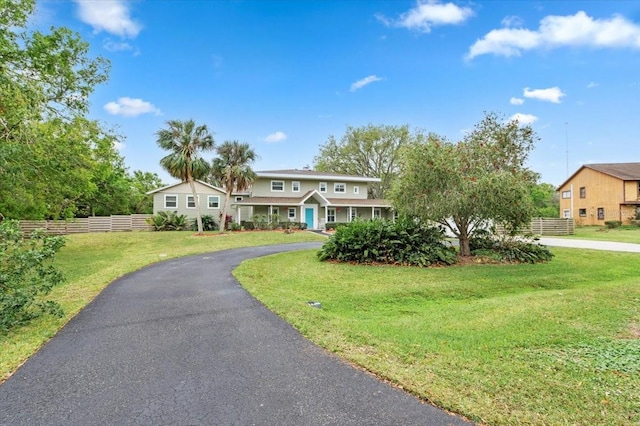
623 171
215 188
312 175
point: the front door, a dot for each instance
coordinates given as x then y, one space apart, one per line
308 217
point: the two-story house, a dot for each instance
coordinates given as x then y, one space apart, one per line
312 197
315 198
596 193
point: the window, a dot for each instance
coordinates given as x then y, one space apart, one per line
582 212
213 202
238 198
356 189
600 213
340 188
354 213
377 213
566 213
323 187
292 212
275 211
331 214
295 186
566 194
191 204
170 201
583 192
638 189
277 186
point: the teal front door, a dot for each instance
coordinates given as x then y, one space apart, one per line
308 217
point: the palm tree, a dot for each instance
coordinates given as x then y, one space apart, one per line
232 170
186 141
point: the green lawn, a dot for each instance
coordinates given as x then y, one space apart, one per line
623 234
91 261
555 343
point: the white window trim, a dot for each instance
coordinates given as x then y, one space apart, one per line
238 198
566 194
322 184
329 214
291 210
293 186
187 201
165 201
277 190
377 210
356 189
353 214
209 202
335 185
566 213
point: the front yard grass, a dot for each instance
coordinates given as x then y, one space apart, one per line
622 234
91 261
554 343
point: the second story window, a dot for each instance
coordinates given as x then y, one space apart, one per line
339 188
323 187
356 189
277 186
566 194
583 192
295 186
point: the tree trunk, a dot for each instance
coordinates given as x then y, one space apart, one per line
223 214
197 203
463 241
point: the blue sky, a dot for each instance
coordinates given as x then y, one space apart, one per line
284 75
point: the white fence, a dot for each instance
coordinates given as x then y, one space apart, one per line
545 226
116 223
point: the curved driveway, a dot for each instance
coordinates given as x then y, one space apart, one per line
181 343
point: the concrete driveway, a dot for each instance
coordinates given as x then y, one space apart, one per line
181 343
590 244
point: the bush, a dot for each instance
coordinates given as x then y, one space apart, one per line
168 221
208 223
26 274
635 222
403 242
611 224
508 249
329 226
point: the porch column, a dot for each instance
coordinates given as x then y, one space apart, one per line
373 213
270 214
349 218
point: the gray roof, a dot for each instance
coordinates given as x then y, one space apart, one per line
312 174
622 171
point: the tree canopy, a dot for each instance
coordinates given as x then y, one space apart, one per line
370 150
465 186
185 142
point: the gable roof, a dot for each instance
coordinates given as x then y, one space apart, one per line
622 171
312 175
173 185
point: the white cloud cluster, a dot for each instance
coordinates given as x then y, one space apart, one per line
524 119
129 107
363 82
276 137
428 14
111 16
552 94
558 31
516 101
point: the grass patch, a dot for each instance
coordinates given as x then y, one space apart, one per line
91 261
623 234
549 343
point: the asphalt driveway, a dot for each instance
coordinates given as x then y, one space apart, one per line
181 343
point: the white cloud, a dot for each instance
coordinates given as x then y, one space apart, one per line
558 31
276 137
592 85
516 101
512 21
428 14
552 94
112 16
524 119
361 83
115 46
129 107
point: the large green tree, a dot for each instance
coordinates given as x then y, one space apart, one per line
466 186
545 200
232 171
185 142
366 151
45 82
141 183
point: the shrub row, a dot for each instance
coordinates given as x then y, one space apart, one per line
263 225
404 242
508 249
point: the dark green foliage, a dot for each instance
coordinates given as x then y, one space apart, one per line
611 224
330 226
508 249
405 242
26 274
208 223
261 223
168 221
635 222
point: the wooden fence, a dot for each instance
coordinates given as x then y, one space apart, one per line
546 227
119 223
